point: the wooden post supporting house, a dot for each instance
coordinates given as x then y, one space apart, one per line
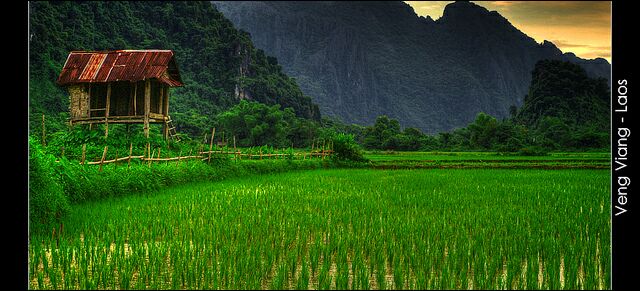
106 112
147 106
122 86
135 97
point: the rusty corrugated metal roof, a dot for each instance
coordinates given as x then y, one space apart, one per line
120 65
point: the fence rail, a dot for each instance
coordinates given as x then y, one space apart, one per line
202 155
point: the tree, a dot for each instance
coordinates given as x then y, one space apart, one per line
257 124
411 139
483 131
513 111
383 134
553 133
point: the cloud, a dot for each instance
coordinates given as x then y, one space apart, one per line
554 12
596 54
503 3
563 43
586 51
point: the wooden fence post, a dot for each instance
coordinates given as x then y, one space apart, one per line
213 134
84 153
178 159
235 152
151 157
323 150
130 152
104 154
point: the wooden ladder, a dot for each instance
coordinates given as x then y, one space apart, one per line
172 130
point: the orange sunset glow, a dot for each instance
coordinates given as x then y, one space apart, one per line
580 27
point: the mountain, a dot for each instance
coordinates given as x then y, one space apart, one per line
218 63
359 60
565 108
563 90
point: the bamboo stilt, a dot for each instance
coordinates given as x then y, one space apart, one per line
135 97
106 113
147 106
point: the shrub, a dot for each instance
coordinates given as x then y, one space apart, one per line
47 201
347 149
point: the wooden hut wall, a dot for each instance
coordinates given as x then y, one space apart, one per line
89 100
78 101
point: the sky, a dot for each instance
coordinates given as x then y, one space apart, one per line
580 27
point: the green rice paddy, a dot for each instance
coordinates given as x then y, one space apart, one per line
487 160
342 229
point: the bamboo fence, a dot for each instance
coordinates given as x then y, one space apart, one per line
150 156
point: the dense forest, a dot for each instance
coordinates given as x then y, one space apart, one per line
238 89
565 110
217 62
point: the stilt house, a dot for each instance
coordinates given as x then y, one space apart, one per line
122 86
